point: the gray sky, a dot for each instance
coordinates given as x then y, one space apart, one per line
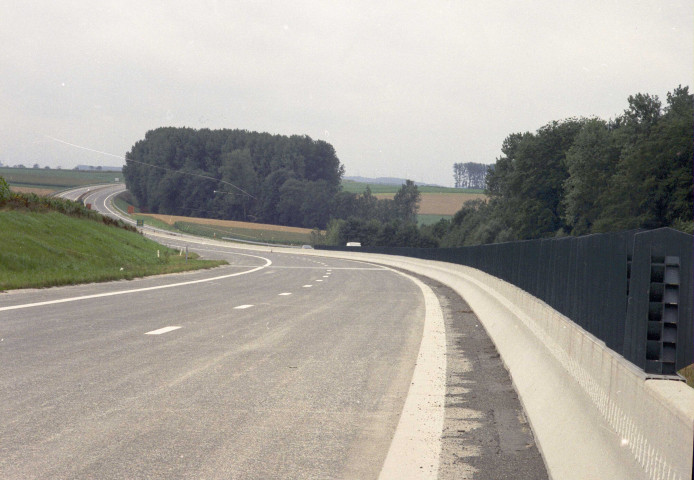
399 88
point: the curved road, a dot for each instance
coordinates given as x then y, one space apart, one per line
274 372
265 368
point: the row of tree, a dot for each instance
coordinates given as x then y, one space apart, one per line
470 175
250 176
570 177
581 176
379 222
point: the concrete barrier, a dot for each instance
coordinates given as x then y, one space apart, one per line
594 415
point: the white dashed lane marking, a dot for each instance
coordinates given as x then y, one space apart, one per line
242 307
162 330
284 294
308 286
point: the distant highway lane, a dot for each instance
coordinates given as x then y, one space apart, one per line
273 373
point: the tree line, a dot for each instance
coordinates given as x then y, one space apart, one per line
587 175
570 177
470 175
258 177
235 175
379 222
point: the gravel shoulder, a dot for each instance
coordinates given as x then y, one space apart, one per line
486 435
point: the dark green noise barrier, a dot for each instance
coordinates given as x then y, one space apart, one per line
632 290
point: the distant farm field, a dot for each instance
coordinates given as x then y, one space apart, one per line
251 232
359 187
172 219
37 191
54 179
441 203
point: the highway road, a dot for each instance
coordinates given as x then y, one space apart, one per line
276 373
279 365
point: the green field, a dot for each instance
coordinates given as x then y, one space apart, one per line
359 187
277 235
249 234
43 249
56 179
154 222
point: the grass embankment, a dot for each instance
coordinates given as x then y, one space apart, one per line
48 242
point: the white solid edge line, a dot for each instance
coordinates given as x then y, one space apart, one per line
135 290
162 330
416 446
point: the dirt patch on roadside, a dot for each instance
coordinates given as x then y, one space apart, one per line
486 435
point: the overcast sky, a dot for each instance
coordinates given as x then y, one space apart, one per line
399 88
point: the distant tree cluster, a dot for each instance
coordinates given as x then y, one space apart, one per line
379 222
470 175
581 176
236 175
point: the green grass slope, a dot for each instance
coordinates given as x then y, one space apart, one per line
42 249
50 241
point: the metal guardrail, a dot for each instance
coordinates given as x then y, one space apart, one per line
632 290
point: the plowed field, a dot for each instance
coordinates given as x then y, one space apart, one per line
441 203
171 219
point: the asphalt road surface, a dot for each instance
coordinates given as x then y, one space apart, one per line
276 366
277 373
